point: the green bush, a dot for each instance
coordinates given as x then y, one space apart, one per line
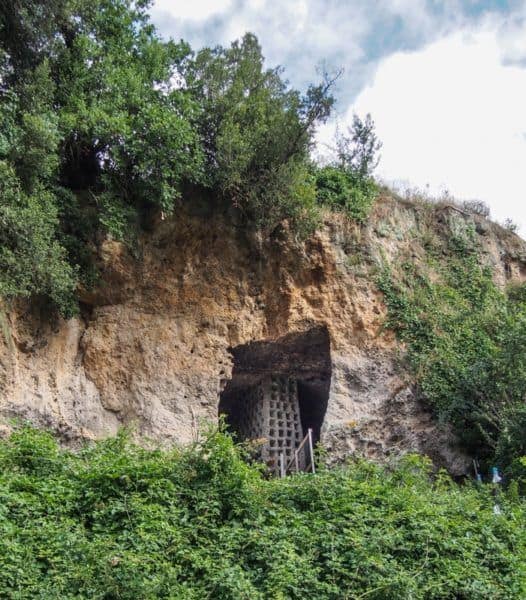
117 521
32 261
347 185
345 191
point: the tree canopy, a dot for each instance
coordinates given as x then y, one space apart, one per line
102 122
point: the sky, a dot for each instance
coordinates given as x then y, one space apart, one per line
444 80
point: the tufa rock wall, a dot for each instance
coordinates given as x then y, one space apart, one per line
156 341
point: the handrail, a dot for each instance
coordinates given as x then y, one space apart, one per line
295 458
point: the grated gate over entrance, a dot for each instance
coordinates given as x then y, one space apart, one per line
278 395
271 411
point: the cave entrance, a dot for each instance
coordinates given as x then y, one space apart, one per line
278 392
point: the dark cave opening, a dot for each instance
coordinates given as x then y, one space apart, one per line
313 398
278 391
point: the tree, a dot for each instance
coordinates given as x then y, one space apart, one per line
29 31
256 131
347 183
91 121
358 152
103 122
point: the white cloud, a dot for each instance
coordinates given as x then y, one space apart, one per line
512 37
299 34
302 34
196 10
450 113
453 116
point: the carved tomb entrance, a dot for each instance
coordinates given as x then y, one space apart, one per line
278 391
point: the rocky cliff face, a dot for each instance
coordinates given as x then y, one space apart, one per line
169 334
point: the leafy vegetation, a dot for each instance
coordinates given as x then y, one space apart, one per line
117 521
92 132
102 122
32 261
347 184
466 341
342 190
256 131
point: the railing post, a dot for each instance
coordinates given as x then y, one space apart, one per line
311 452
281 466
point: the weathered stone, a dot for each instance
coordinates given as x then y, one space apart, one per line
157 343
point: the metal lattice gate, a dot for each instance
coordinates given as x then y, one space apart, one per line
271 411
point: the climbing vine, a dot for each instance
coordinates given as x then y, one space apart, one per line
466 344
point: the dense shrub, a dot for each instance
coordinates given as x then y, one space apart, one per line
346 191
32 261
347 183
116 521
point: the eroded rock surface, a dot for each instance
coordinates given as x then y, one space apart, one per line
154 344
